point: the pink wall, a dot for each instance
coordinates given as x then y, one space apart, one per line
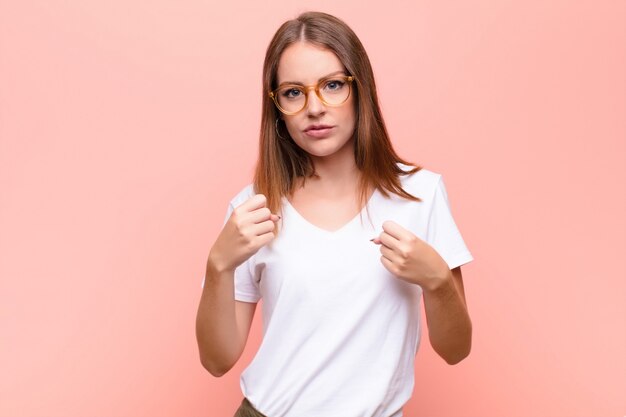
120 126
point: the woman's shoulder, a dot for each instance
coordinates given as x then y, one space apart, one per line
422 180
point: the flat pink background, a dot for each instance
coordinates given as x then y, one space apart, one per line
126 127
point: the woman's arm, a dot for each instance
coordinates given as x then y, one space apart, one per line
449 324
415 261
222 324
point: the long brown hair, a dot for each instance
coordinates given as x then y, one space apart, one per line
281 161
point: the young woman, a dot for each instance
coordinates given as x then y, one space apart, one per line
341 296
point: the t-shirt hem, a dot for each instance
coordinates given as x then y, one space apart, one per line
246 297
459 259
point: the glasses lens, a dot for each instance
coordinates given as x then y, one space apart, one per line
335 91
291 99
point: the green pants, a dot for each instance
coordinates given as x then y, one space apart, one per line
247 410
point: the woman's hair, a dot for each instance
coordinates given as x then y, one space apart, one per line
281 161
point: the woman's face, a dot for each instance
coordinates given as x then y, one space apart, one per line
318 129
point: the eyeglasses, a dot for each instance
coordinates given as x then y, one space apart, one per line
332 91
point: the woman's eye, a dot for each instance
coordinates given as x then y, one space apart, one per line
334 85
292 93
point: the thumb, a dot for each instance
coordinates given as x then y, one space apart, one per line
275 217
375 240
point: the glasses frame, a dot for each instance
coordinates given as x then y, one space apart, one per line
316 87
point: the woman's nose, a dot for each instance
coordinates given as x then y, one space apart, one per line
314 104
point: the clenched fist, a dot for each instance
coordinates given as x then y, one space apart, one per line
410 258
249 227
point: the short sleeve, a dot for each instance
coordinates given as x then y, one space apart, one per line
246 286
443 234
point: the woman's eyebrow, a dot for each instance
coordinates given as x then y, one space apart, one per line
299 83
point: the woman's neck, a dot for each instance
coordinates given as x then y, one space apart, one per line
337 174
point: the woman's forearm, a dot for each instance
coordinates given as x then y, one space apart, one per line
449 324
216 323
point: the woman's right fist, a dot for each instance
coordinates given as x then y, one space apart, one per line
249 227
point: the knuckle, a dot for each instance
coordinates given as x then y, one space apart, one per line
238 225
239 212
244 233
249 245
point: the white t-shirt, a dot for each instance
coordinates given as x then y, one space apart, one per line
340 332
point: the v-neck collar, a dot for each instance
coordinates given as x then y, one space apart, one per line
330 233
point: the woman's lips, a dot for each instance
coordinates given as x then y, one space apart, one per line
319 132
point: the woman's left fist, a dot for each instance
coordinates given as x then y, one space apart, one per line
410 258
